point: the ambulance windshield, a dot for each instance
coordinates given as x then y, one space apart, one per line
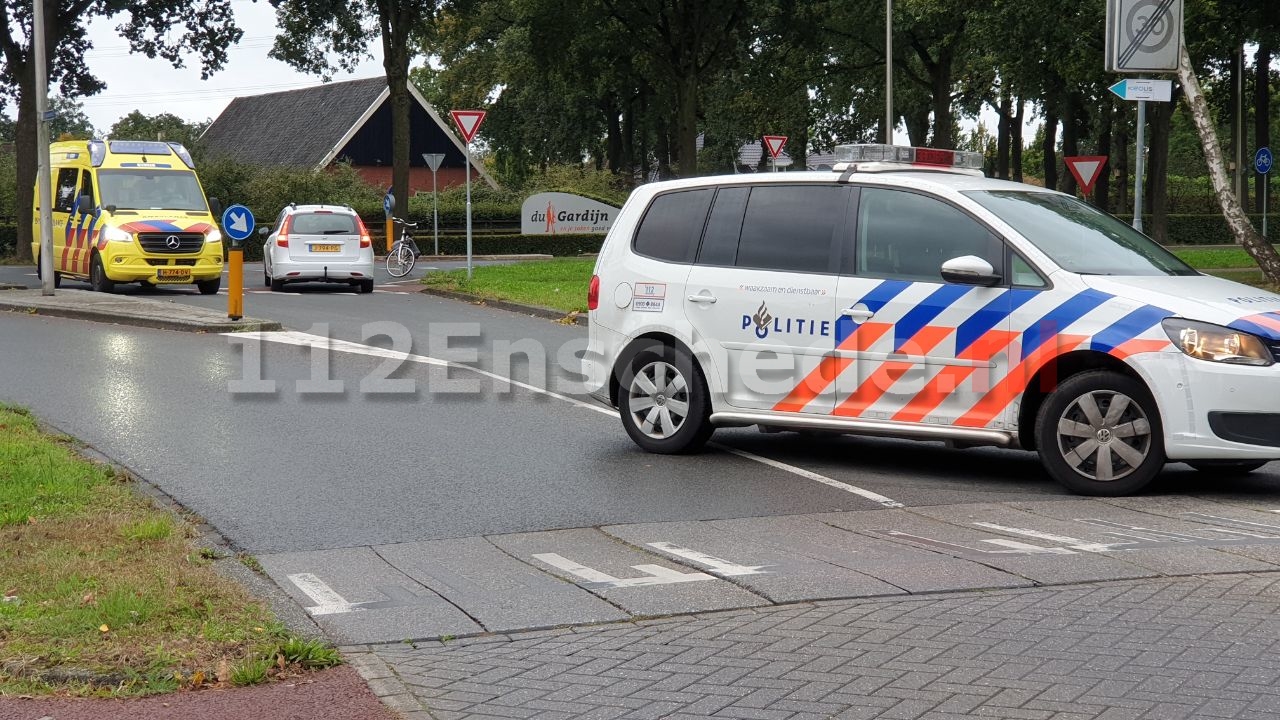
151 190
1079 237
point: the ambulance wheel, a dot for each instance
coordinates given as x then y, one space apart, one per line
1099 433
1227 468
98 279
663 401
57 276
210 287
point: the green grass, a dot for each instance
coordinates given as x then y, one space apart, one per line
559 284
96 579
1215 258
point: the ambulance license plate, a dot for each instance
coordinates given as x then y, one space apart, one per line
179 275
326 248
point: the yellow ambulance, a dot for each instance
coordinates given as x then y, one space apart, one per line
130 211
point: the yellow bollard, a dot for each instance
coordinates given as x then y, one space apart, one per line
235 282
391 234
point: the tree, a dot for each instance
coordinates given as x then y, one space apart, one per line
169 29
314 31
70 123
163 126
1260 250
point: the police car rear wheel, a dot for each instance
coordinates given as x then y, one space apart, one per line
663 402
1227 468
1099 434
98 279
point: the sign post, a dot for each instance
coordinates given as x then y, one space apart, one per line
1142 91
433 161
774 144
388 207
1263 162
237 225
468 121
44 183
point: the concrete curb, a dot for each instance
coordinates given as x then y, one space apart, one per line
534 310
125 310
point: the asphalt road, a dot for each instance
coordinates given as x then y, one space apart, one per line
362 491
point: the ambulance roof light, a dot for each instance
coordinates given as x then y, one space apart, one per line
97 152
183 154
913 156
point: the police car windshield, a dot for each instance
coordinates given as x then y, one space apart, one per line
1079 237
151 190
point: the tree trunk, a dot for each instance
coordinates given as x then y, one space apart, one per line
629 142
686 145
1102 188
1016 140
613 141
1002 134
1262 114
1071 141
395 61
1233 81
662 147
917 127
1050 149
1261 251
1160 115
27 161
944 123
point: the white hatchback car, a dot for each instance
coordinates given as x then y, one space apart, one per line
906 295
317 243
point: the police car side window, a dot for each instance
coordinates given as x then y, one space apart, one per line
66 193
720 241
792 228
673 225
908 236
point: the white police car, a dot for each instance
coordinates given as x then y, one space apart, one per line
906 295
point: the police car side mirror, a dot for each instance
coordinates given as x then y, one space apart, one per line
970 270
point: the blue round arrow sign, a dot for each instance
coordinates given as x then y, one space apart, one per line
1262 161
237 222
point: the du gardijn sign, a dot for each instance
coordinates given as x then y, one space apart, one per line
557 213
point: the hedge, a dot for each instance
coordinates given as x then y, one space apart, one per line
1202 229
558 245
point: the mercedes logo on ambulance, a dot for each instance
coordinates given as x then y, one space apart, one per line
172 242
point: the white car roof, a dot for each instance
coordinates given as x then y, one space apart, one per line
919 179
313 208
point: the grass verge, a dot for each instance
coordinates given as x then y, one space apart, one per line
1214 258
557 284
106 595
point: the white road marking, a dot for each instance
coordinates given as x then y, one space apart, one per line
872 496
291 337
654 574
1031 533
327 600
1029 548
719 566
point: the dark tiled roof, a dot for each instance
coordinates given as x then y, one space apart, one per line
293 128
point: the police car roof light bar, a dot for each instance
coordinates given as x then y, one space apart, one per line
904 155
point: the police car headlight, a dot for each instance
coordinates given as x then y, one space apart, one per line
115 234
213 236
1215 343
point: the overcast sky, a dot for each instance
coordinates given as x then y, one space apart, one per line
154 86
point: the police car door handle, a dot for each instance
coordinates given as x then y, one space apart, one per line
707 299
861 314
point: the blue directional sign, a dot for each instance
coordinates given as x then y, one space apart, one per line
388 202
237 222
1262 161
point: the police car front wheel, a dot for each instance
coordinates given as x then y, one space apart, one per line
663 401
1099 433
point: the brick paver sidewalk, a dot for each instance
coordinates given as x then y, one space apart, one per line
1203 647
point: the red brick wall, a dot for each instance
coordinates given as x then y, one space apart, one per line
419 177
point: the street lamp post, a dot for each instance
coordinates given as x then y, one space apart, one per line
43 181
888 72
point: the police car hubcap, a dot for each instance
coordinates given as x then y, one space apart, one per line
658 400
1104 435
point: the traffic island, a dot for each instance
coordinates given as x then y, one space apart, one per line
128 310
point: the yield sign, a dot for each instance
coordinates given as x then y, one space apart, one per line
774 143
1086 169
468 122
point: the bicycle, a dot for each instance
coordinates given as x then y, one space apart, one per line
404 253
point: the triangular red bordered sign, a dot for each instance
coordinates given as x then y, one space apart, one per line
774 144
1086 169
468 122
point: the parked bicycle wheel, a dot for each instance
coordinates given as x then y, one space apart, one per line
400 260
